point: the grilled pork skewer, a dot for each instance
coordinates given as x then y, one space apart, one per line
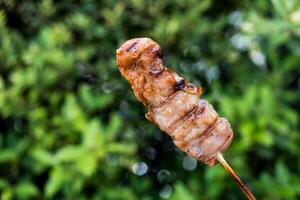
174 104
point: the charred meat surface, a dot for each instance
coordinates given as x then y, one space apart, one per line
173 103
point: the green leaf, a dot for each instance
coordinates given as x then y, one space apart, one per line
280 7
26 190
7 194
69 153
122 148
3 183
87 164
94 101
264 138
282 173
181 192
92 136
114 125
7 155
55 182
42 156
73 113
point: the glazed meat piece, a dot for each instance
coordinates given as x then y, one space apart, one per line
164 115
216 139
196 124
173 103
162 84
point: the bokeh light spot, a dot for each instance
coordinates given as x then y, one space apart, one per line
189 163
140 168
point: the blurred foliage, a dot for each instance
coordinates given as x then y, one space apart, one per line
72 129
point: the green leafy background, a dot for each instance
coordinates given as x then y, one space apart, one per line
72 129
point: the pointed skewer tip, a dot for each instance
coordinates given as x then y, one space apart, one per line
235 177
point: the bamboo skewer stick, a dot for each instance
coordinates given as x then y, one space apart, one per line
235 177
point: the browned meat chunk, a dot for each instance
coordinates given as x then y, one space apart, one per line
173 102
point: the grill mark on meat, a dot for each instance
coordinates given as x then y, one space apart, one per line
189 116
135 65
201 136
195 113
145 51
132 46
169 98
225 143
221 148
181 119
157 52
198 115
209 131
198 112
157 74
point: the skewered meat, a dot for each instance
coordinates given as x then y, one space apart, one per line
173 103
